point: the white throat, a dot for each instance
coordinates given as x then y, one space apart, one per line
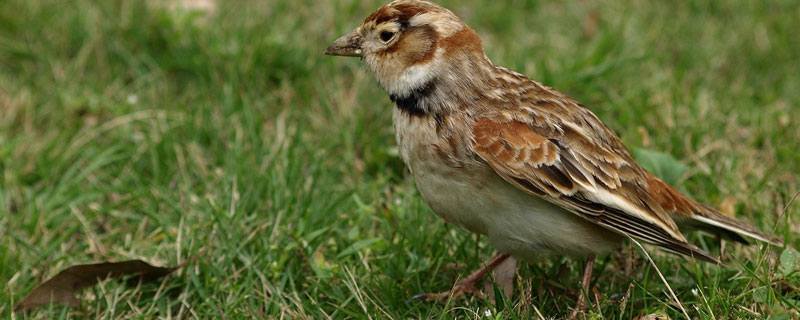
412 78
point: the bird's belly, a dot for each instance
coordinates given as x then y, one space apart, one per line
514 221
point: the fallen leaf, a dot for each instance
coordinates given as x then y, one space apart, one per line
63 288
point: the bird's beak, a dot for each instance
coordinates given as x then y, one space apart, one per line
348 45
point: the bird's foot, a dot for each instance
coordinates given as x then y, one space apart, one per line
466 286
459 290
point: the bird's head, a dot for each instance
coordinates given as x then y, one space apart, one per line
407 44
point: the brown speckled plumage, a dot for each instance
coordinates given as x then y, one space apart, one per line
503 155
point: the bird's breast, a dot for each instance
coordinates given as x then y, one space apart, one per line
443 171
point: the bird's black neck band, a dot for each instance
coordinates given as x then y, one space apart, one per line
411 103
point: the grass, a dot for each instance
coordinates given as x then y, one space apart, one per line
131 130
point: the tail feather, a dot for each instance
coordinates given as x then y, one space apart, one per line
715 221
689 213
692 252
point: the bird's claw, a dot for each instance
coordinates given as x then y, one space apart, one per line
457 292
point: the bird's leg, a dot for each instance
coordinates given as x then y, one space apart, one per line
468 284
587 279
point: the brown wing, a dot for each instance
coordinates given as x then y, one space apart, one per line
588 174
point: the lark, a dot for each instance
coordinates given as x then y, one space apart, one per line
504 156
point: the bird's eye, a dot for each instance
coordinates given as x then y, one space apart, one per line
386 36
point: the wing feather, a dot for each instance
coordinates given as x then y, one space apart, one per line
606 188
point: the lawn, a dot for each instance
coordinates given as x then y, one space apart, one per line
224 139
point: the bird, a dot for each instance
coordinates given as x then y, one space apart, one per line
504 156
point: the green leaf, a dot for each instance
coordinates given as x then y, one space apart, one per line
789 259
661 164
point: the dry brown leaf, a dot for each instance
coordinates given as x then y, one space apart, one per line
63 288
